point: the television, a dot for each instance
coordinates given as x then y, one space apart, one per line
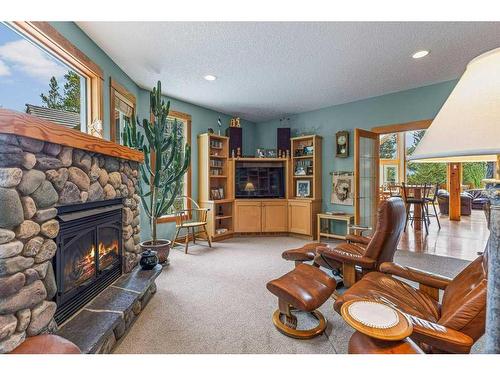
259 180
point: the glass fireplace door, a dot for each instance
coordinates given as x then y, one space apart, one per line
109 247
79 264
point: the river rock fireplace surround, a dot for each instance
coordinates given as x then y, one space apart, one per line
53 180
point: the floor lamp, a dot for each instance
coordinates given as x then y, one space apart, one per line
467 129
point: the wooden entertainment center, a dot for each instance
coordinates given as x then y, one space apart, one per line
236 206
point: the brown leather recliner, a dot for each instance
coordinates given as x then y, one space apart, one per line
366 253
451 326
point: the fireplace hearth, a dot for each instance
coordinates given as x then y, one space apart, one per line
89 253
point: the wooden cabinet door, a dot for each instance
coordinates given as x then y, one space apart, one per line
248 216
299 217
274 217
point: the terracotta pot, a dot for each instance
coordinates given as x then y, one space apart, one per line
162 248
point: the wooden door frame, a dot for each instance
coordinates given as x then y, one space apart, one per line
358 133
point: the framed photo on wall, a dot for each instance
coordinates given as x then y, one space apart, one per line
342 188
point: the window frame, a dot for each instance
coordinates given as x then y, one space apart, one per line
116 87
46 36
188 191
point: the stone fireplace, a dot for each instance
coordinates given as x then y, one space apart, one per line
69 223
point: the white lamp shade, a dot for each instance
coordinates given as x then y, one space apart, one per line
467 128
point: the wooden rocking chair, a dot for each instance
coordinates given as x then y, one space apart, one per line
190 219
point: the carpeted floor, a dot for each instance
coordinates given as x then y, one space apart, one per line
215 301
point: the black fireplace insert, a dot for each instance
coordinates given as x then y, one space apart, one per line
89 253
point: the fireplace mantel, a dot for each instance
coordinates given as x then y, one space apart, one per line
17 123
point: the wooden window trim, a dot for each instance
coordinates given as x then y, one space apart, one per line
114 87
48 37
186 117
400 128
406 126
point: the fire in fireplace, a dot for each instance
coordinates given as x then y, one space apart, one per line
89 253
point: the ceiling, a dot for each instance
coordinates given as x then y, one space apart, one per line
268 69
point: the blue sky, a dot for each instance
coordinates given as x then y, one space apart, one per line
25 71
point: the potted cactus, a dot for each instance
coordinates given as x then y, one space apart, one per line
166 160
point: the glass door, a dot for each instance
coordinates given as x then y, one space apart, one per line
366 169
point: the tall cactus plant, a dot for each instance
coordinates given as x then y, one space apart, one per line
166 158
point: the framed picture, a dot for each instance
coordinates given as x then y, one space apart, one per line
215 194
303 188
342 189
221 193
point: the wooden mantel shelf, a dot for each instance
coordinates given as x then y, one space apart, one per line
17 123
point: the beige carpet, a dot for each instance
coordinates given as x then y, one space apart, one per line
215 301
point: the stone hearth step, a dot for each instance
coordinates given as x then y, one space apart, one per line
104 320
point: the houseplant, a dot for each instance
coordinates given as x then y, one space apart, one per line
166 160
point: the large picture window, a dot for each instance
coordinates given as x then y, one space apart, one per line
43 74
185 132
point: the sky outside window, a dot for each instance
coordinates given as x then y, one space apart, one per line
26 71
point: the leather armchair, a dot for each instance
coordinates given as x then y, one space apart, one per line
365 253
452 325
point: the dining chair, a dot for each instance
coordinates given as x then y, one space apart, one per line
190 218
419 203
432 200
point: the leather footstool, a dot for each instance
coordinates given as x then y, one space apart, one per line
305 288
46 344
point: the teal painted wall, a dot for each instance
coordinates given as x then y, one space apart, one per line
404 106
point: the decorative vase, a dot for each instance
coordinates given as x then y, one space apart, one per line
148 260
161 247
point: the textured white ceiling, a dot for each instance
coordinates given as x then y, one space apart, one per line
268 69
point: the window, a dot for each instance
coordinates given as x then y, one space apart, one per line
43 74
185 120
122 109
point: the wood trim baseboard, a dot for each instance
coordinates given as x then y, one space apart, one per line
17 123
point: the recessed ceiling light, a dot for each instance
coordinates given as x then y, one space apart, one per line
420 54
210 77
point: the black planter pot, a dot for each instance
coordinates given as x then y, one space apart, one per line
149 260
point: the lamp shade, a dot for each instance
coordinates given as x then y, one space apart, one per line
467 128
249 186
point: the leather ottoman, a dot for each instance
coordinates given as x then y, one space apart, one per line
305 288
46 344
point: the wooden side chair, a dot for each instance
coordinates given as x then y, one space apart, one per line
190 218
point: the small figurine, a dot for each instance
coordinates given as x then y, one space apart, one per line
238 152
232 153
219 124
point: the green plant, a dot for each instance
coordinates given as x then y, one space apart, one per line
474 173
166 158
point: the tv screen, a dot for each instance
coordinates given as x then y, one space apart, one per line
260 180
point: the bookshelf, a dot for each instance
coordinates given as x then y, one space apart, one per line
305 192
215 180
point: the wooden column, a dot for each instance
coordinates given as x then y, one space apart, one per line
454 175
497 167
